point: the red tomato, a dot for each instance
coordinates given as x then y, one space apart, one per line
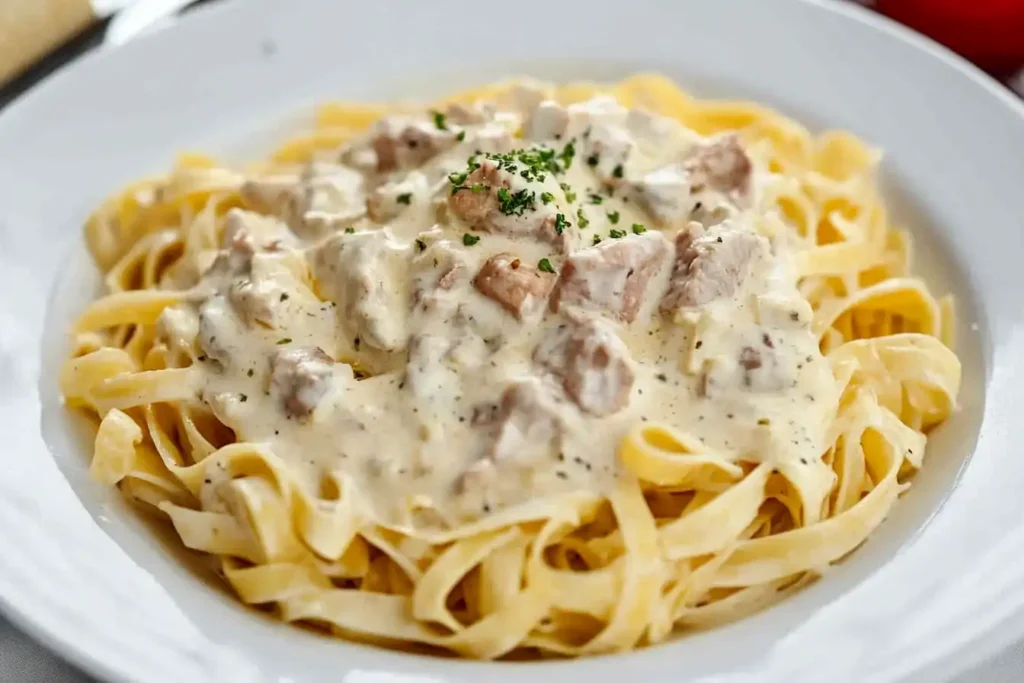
990 33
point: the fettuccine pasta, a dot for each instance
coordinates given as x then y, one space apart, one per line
531 371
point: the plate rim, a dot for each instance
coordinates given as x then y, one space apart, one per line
62 642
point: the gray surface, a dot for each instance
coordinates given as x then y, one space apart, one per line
22 660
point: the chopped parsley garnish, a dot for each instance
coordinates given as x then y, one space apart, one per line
515 203
597 239
613 217
593 160
595 198
440 120
477 188
617 234
570 196
582 218
284 340
545 265
561 224
405 198
637 229
461 136
547 197
457 180
421 245
470 240
568 154
349 231
617 171
536 163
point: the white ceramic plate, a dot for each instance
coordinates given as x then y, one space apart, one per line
917 602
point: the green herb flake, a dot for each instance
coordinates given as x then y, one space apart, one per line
570 196
595 198
582 218
617 234
568 154
477 188
613 217
284 340
593 160
597 239
461 136
515 203
405 198
349 231
470 240
457 178
440 120
617 171
561 224
547 197
545 265
638 229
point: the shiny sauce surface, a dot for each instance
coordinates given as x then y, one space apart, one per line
467 309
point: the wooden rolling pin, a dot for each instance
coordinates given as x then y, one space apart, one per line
31 28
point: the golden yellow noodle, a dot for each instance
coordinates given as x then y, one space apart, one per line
689 540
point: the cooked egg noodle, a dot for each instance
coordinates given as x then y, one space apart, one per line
689 536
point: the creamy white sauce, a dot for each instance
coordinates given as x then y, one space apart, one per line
440 406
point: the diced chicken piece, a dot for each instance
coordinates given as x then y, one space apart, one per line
490 200
256 301
723 166
527 418
438 267
402 143
614 277
603 144
322 196
650 129
366 274
387 201
756 368
761 369
523 97
266 232
711 265
436 366
476 202
235 258
608 147
665 194
549 120
300 378
592 362
478 477
519 288
214 320
493 139
426 371
469 115
527 427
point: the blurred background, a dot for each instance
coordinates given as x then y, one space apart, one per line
38 37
